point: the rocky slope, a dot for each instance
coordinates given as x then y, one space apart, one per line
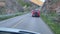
51 9
11 6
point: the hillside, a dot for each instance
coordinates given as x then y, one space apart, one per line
14 6
24 2
10 6
51 14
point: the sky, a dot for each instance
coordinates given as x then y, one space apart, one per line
42 0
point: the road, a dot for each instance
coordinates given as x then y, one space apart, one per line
27 22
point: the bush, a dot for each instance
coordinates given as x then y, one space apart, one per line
3 17
54 26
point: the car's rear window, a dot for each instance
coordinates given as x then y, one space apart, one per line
36 10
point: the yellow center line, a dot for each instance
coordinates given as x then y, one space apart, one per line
17 23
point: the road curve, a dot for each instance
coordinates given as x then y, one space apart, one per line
27 22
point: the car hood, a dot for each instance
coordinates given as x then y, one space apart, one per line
15 30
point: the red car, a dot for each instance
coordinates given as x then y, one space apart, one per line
35 13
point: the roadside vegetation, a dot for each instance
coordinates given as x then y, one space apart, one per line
16 12
51 15
4 17
23 3
53 25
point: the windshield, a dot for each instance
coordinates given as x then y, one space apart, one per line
38 16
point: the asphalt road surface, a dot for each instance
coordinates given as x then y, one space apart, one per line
27 22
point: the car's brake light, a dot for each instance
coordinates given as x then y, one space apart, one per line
39 13
32 13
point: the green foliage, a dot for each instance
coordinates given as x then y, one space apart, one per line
2 10
23 3
6 17
3 17
54 26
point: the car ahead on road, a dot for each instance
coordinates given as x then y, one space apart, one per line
15 31
36 13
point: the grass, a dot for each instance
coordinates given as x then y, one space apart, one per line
4 17
54 26
23 3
